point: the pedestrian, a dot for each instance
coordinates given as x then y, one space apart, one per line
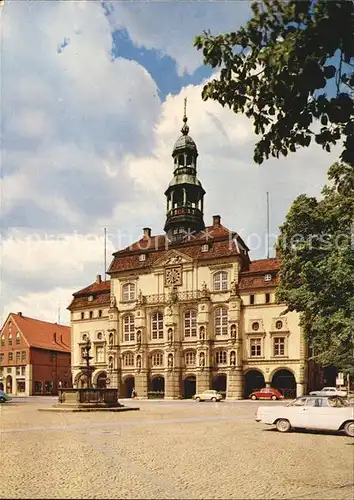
133 393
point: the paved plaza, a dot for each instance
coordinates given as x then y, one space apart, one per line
176 450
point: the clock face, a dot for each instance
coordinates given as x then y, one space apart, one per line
173 276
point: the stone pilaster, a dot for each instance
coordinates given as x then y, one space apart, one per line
172 384
142 383
235 383
203 380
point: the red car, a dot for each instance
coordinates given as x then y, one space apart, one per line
266 393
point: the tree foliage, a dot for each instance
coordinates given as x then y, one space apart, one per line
316 250
289 68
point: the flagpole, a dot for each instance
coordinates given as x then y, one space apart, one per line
267 225
105 253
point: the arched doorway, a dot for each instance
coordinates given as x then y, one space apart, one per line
128 386
157 387
254 380
101 382
285 382
189 386
9 384
219 383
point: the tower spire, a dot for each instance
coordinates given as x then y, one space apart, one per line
185 128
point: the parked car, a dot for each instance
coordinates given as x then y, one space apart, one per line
329 391
266 393
4 398
210 395
310 412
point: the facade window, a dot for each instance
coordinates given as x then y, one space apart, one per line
2 341
84 337
18 370
220 281
268 277
279 346
82 315
18 356
205 248
128 359
9 369
252 299
157 359
100 313
129 328
128 291
221 357
157 325
21 386
38 386
11 356
279 325
99 354
83 350
23 356
190 358
18 338
256 347
23 370
267 298
221 318
10 339
99 336
190 323
255 326
91 314
1 371
1 357
90 298
142 257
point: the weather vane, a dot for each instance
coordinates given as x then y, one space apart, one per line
185 128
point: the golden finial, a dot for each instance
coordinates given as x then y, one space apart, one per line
185 128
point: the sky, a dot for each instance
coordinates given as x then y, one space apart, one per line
91 105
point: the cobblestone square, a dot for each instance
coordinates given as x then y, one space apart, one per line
167 449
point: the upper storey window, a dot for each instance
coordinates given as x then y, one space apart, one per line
129 328
220 281
190 323
128 291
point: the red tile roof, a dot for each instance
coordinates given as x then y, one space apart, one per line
220 239
100 292
253 277
43 334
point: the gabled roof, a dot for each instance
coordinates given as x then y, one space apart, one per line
42 334
100 293
219 238
253 277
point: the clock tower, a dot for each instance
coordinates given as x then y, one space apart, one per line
185 193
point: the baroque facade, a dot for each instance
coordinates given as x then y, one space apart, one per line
188 311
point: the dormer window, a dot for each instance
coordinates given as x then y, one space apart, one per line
268 277
90 298
205 248
142 257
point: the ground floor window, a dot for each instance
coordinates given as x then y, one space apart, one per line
21 386
37 386
48 386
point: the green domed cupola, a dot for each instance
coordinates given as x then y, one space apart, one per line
185 192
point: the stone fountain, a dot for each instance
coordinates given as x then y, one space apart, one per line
88 398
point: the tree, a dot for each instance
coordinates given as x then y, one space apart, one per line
289 69
316 251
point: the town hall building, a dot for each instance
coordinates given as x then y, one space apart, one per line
187 310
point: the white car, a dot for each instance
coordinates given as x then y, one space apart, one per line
309 412
210 395
329 391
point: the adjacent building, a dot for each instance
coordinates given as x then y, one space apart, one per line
188 310
34 356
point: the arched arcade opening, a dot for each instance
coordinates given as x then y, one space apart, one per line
254 380
219 383
189 386
285 382
128 386
157 387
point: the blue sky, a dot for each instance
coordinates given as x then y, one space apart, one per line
92 103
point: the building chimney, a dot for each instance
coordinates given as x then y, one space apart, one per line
98 278
147 232
216 220
19 313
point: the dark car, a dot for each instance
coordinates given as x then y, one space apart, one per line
266 393
4 398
